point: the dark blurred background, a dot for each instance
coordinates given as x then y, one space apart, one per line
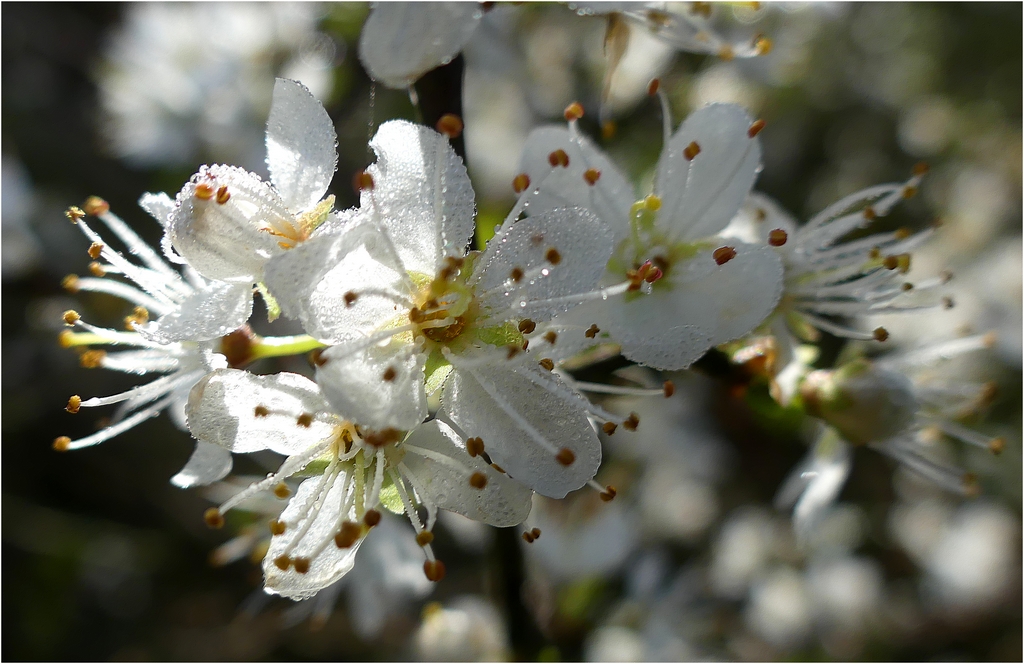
104 560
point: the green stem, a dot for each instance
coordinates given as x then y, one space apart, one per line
282 346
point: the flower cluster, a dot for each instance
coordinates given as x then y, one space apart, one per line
443 376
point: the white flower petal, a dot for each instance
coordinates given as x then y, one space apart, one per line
375 387
212 312
341 285
302 149
816 482
159 206
582 245
401 41
445 481
222 410
509 412
207 464
700 196
331 564
610 197
422 195
225 241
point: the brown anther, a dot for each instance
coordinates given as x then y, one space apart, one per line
478 480
94 206
71 317
723 255
947 302
362 181
371 518
652 87
498 468
874 253
668 388
434 569
389 374
94 250
424 537
213 518
70 283
61 443
880 334
66 338
450 125
726 53
608 494
528 538
474 446
909 191
762 45
304 420
701 9
565 456
277 527
558 158
516 275
777 237
526 326
592 331
415 315
382 437
223 195
526 344
989 392
691 151
573 111
535 532
869 213
512 350
552 256
971 487
551 336
204 192
74 403
608 129
283 563
902 233
96 270
92 359
632 422
282 491
138 316
592 175
755 128
348 535
520 183
920 168
761 214
547 363
609 427
906 286
350 298
301 564
74 213
997 445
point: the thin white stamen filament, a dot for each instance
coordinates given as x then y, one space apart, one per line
291 465
123 291
121 426
311 509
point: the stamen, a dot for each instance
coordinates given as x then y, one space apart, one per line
668 388
777 237
74 213
551 336
96 269
71 317
301 564
61 443
371 518
552 256
282 491
592 175
652 87
547 363
520 183
450 125
213 518
434 569
565 456
362 181
762 45
573 112
389 374
474 446
95 206
283 562
70 283
609 427
880 334
204 192
424 537
478 480
94 250
74 403
755 127
277 527
723 255
526 326
592 331
304 420
558 158
632 422
691 151
223 196
349 534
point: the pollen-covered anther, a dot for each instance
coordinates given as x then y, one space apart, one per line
920 168
528 537
526 326
450 125
223 195
74 403
609 427
652 87
283 563
897 261
762 45
723 255
869 213
553 256
592 175
61 443
424 537
139 316
558 158
277 527
755 128
282 491
66 338
777 237
92 359
304 420
348 534
906 286
565 456
371 518
880 334
96 270
551 336
668 388
608 129
213 518
691 150
474 446
516 275
547 363
95 249
478 480
902 233
94 206
70 283
632 422
573 111
204 192
71 317
997 445
389 374
592 331
301 564
74 213
434 569
362 181
261 411
520 183
608 494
